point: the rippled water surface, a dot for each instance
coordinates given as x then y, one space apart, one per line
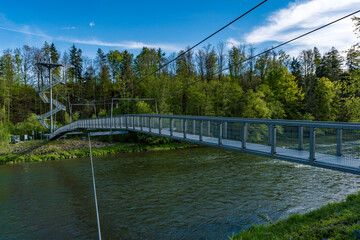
198 193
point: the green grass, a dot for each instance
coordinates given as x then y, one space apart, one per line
332 221
109 150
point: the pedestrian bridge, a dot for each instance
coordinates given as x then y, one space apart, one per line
331 145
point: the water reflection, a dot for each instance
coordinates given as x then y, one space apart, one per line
199 193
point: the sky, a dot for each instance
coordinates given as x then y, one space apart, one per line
174 25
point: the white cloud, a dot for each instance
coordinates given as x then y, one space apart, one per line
302 16
231 42
92 23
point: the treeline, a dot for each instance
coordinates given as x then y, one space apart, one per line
312 86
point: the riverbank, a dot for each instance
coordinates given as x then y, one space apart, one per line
37 151
332 221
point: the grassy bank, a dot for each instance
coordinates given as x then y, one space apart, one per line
332 221
37 151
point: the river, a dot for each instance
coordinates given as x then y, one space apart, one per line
196 193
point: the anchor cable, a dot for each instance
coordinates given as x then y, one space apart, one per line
95 196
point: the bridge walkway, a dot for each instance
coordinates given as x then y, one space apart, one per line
328 145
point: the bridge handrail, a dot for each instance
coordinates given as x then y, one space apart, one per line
298 123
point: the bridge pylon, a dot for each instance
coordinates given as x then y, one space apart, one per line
53 81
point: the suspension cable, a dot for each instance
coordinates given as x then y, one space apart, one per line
189 49
269 50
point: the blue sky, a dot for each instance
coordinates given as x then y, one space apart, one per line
172 25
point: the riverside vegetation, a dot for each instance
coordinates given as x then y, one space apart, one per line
37 151
336 221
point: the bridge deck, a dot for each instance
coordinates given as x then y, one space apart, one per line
300 155
340 152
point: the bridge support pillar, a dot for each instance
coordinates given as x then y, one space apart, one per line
184 127
220 126
339 142
244 136
171 128
269 135
273 140
312 144
133 122
149 124
225 130
141 123
194 127
208 128
126 122
201 130
301 138
160 125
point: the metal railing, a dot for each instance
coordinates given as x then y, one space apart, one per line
331 145
55 81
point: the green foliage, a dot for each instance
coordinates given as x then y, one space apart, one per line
29 125
55 154
333 221
152 140
312 86
255 106
102 113
325 92
4 134
143 108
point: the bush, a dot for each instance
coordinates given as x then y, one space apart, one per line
152 140
29 125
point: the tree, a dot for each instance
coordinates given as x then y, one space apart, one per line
76 64
54 56
7 76
330 65
353 58
127 72
295 68
114 59
325 93
210 62
236 65
221 58
254 105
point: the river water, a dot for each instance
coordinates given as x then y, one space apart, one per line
197 193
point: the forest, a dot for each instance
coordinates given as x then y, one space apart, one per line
312 86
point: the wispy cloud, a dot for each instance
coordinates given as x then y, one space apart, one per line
302 16
92 23
123 44
68 28
25 31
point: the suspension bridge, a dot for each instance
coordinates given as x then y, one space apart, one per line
330 145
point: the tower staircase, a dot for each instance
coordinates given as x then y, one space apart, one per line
58 105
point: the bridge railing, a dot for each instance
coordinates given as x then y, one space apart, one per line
304 141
